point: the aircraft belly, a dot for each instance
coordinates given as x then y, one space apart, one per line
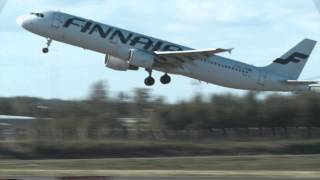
237 80
219 76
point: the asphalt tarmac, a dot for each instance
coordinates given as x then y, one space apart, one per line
144 178
196 178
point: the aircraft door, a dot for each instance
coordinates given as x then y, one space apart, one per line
57 20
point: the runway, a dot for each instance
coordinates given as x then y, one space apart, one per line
196 178
154 175
143 178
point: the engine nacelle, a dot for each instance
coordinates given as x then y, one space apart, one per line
135 57
116 63
119 51
141 59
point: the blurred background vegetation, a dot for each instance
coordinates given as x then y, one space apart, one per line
144 125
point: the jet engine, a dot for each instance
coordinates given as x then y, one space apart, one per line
118 64
129 59
135 57
141 59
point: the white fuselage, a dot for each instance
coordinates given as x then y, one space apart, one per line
111 40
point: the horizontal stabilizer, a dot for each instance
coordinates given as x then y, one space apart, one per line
296 82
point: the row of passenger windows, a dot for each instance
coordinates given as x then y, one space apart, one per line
227 66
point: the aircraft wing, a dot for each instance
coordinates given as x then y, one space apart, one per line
177 58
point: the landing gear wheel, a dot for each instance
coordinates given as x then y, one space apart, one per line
45 50
149 81
165 79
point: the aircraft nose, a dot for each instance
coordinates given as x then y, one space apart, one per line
25 21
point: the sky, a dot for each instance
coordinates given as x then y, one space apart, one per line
260 31
317 3
2 4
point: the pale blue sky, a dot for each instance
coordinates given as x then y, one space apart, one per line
260 31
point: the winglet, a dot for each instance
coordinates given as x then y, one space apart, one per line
230 50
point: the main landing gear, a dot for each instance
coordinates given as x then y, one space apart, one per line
165 79
149 81
46 49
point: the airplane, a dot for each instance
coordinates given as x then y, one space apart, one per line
125 50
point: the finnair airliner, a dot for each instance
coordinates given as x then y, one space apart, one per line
125 50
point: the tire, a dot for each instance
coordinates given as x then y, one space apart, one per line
149 81
45 50
166 79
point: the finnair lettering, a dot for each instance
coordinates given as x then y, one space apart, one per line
124 37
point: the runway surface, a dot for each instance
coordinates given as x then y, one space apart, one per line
195 178
143 178
155 175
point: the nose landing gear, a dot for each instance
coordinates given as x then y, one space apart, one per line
46 49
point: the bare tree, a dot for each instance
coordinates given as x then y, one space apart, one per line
99 91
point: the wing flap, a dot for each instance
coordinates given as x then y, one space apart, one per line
192 54
177 58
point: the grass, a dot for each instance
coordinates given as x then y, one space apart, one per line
284 166
245 158
117 157
125 148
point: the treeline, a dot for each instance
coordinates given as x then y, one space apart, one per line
143 110
229 111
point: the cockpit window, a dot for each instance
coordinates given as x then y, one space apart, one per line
38 14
